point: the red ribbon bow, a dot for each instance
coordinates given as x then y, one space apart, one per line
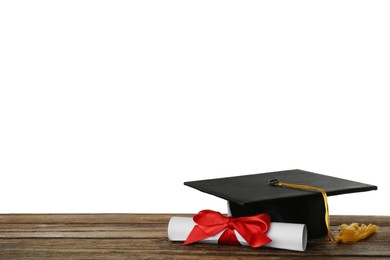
210 223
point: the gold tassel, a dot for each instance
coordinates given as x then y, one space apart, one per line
354 232
347 234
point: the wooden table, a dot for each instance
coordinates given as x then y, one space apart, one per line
144 236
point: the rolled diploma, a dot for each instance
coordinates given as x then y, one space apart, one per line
284 235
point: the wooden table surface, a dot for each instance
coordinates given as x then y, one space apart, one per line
144 236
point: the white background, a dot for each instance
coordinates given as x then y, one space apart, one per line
109 106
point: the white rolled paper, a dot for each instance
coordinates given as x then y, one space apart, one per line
284 235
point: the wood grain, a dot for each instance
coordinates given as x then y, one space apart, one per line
144 236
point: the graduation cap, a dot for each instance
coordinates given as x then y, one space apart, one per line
260 193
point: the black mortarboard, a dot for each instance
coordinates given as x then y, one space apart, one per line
252 194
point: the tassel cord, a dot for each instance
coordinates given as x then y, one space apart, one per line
310 188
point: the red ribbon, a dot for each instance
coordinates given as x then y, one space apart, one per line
210 223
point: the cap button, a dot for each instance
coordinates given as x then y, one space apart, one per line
274 182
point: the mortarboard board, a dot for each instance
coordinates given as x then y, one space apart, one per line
252 194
